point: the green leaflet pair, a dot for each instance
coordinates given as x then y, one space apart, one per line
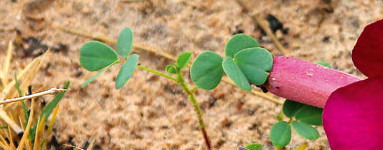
95 56
245 63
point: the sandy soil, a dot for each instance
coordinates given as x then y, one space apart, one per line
153 113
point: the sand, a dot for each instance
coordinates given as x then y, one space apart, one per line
154 113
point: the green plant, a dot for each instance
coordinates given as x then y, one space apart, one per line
301 117
97 56
245 64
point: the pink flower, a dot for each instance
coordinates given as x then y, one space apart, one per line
353 108
353 115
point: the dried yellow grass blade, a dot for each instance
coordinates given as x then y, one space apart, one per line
9 134
10 122
7 63
52 121
28 145
3 146
26 132
26 75
3 143
39 133
302 147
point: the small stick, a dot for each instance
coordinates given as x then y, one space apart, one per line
73 146
48 92
257 93
262 24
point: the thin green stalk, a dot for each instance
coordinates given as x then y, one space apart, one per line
197 109
157 72
23 104
191 95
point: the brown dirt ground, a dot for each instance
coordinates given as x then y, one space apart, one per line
153 113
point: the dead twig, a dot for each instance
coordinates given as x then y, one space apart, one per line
48 92
261 22
73 147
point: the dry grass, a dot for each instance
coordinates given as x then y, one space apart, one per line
15 121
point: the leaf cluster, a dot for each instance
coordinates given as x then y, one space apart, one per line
245 63
302 117
97 56
182 62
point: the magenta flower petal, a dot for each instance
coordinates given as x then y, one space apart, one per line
305 82
352 116
368 51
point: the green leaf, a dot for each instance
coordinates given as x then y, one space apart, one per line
171 69
310 115
94 77
126 71
325 64
255 64
235 74
125 42
23 104
239 42
95 55
206 71
254 146
17 84
305 130
280 134
183 60
291 107
47 110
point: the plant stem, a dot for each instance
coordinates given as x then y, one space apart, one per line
157 72
190 92
197 109
201 122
